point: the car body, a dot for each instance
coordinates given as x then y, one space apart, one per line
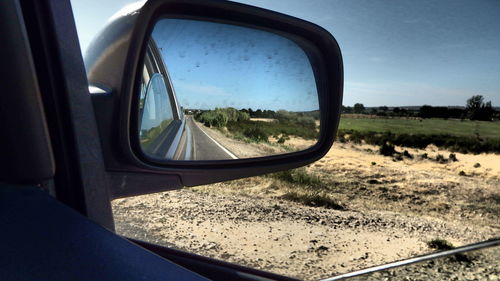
161 118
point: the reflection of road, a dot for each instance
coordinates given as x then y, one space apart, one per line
205 147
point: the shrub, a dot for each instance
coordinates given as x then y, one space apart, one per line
284 116
477 165
256 134
314 199
440 158
275 128
216 118
462 173
455 143
398 157
234 115
283 138
440 244
219 117
387 149
453 157
298 176
306 121
341 138
407 154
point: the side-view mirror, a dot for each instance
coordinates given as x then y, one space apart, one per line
195 92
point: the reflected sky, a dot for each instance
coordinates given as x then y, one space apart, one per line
218 65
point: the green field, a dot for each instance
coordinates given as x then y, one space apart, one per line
424 126
456 135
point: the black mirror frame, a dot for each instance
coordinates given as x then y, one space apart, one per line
326 61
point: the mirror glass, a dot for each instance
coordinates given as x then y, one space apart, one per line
213 91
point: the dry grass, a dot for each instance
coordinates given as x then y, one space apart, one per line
417 186
313 199
440 244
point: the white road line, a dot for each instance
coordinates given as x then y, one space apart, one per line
194 141
218 144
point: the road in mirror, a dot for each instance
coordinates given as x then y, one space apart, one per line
226 92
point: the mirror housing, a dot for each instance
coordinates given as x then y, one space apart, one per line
113 63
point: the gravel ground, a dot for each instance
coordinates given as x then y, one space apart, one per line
284 237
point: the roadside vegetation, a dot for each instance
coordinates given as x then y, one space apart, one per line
455 143
305 188
298 176
220 117
440 244
474 128
280 125
295 185
443 245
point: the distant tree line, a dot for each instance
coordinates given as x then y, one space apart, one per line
238 123
359 108
428 111
475 109
259 113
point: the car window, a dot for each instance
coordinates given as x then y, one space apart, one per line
415 167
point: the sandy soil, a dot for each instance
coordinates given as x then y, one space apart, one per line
263 119
421 186
299 143
393 207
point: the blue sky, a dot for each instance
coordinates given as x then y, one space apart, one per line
395 53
